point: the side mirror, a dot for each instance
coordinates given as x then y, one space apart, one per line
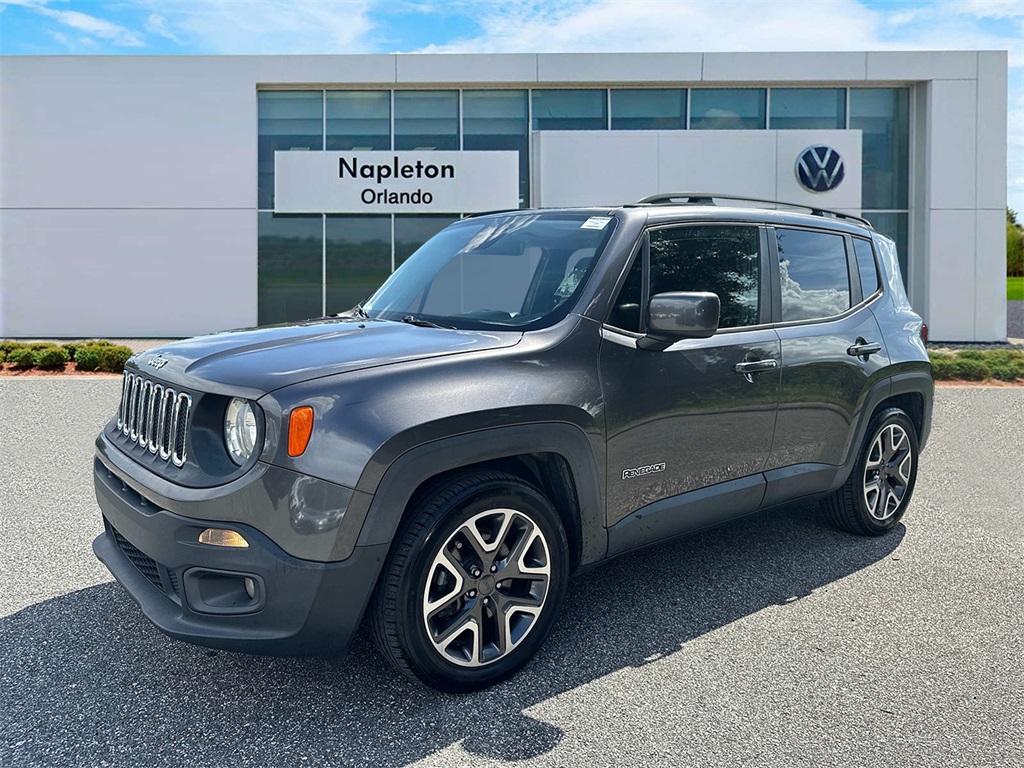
674 316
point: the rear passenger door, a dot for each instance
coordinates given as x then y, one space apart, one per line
832 347
685 418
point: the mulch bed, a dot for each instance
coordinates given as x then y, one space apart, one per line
7 369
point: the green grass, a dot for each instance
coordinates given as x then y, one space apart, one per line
1015 289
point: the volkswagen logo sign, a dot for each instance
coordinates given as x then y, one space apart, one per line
820 169
157 362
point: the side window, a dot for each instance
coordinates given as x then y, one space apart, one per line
720 259
866 267
815 279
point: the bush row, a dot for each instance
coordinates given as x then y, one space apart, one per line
92 355
978 364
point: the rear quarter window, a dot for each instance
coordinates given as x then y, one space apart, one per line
866 266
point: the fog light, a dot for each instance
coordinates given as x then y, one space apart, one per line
221 537
250 588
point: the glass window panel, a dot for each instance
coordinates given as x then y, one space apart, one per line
727 108
883 114
498 120
815 274
287 120
290 268
808 108
427 120
893 225
570 110
866 266
358 259
723 260
359 120
413 231
648 109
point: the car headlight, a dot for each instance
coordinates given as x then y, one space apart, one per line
239 430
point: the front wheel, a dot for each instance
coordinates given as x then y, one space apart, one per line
473 583
877 493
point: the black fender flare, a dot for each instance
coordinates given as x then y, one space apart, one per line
428 460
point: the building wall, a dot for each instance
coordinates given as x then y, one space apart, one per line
128 184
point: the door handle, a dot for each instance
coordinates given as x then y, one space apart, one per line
749 368
864 349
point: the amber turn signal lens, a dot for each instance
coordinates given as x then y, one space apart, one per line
300 429
221 537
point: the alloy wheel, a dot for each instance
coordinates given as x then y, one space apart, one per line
486 587
887 471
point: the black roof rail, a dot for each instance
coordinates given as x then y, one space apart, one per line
708 198
489 213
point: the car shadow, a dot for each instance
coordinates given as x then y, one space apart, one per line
87 680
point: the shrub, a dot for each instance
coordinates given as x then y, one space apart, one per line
52 358
101 357
1008 372
24 359
7 345
87 357
113 358
3 356
942 367
969 370
71 347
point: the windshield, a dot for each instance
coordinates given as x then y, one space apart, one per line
518 271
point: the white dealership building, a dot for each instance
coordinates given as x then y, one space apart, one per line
165 196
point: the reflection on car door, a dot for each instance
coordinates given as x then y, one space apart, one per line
685 418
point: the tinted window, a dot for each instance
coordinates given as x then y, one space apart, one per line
866 267
288 120
815 279
497 120
808 108
648 109
358 120
289 268
722 260
358 259
426 120
727 108
883 114
625 312
570 110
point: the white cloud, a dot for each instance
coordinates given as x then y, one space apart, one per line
991 9
157 25
265 26
95 26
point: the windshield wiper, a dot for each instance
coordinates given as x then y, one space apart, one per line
424 323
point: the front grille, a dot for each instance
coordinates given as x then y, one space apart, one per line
147 566
154 416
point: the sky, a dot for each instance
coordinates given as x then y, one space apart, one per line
527 26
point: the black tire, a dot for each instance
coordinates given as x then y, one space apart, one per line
854 507
464 599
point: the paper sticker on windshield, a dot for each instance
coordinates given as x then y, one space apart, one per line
596 222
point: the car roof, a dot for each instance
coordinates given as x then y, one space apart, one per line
697 207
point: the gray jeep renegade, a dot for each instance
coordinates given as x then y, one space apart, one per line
531 393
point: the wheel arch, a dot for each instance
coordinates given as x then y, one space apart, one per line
555 457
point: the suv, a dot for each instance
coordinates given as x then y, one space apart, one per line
531 393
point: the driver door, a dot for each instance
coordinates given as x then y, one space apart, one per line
686 418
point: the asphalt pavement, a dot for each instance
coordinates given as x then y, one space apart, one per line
772 641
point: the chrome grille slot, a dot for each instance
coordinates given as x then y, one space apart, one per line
155 417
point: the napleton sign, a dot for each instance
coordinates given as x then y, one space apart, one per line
395 182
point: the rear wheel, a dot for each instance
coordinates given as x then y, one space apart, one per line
879 488
473 584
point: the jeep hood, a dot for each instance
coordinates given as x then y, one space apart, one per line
254 361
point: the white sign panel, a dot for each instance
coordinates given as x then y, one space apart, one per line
635 164
395 182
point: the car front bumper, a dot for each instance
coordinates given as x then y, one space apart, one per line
199 592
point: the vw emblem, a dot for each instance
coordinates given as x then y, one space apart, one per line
820 169
157 362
